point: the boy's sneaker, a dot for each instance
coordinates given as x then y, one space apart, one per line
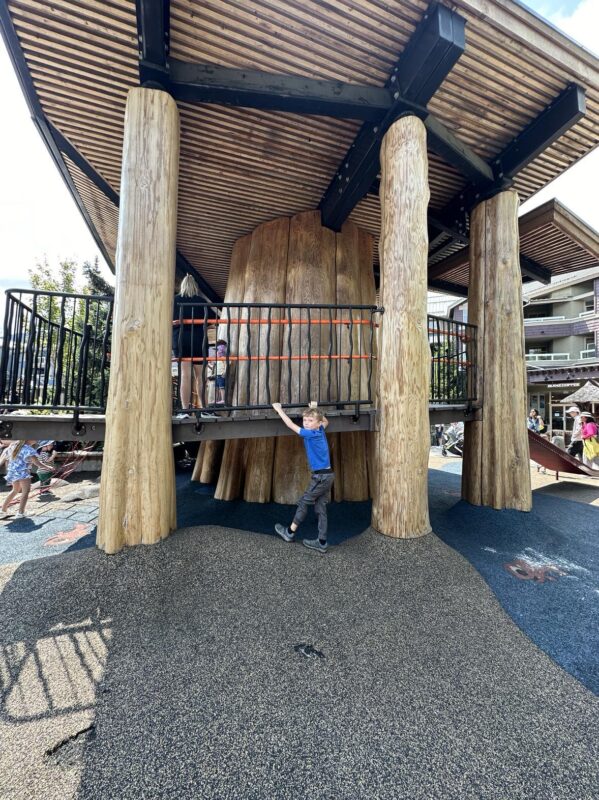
284 532
20 515
316 544
4 514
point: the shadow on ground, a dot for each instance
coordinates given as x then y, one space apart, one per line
174 671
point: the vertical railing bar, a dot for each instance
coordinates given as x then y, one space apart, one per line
10 304
59 354
351 353
18 355
330 354
320 364
248 353
94 354
105 340
309 354
371 356
257 401
204 355
49 340
227 394
289 354
268 335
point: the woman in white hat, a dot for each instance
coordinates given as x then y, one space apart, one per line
576 447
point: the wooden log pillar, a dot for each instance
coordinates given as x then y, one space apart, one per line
137 491
496 468
400 492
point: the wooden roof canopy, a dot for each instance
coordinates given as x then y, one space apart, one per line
283 105
553 241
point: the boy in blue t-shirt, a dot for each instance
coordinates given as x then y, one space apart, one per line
317 451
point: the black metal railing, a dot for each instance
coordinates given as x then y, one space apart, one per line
229 356
453 361
55 351
246 356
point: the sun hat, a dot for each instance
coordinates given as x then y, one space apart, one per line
585 414
571 409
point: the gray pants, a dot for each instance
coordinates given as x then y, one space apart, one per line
316 495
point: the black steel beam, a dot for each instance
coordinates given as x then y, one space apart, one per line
534 270
153 25
553 122
448 287
567 108
434 48
448 147
211 83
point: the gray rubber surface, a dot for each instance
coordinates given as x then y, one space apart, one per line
174 671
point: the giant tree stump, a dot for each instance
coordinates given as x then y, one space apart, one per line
400 497
496 466
137 491
295 261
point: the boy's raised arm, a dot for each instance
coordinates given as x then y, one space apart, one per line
279 409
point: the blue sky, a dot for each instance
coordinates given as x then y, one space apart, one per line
38 216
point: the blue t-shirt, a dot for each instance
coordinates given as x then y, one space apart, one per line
317 448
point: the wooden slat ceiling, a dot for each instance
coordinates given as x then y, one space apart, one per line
240 167
550 235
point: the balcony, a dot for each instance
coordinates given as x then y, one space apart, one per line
547 356
535 320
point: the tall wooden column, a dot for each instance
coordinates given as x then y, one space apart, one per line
137 492
496 468
400 494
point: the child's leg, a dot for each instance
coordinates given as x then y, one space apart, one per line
10 497
25 487
320 507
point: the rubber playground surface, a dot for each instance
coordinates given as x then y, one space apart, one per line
225 663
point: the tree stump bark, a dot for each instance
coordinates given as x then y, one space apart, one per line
400 498
496 466
310 279
137 490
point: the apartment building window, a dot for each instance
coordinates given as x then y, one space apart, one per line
589 304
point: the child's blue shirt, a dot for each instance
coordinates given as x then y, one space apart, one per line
317 448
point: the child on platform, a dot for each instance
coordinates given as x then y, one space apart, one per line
20 457
321 481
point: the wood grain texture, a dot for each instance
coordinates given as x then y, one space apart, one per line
400 499
265 279
233 294
496 469
355 286
310 279
137 491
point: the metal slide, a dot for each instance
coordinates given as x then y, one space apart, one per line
554 458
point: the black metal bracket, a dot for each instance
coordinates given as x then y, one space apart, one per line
5 429
153 25
436 44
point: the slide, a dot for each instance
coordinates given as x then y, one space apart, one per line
554 458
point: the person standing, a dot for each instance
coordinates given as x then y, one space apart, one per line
321 481
190 341
576 447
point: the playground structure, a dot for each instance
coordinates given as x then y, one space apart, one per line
266 153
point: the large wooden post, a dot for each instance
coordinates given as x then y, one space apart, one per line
137 492
400 492
496 468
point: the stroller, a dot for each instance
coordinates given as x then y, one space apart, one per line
453 439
